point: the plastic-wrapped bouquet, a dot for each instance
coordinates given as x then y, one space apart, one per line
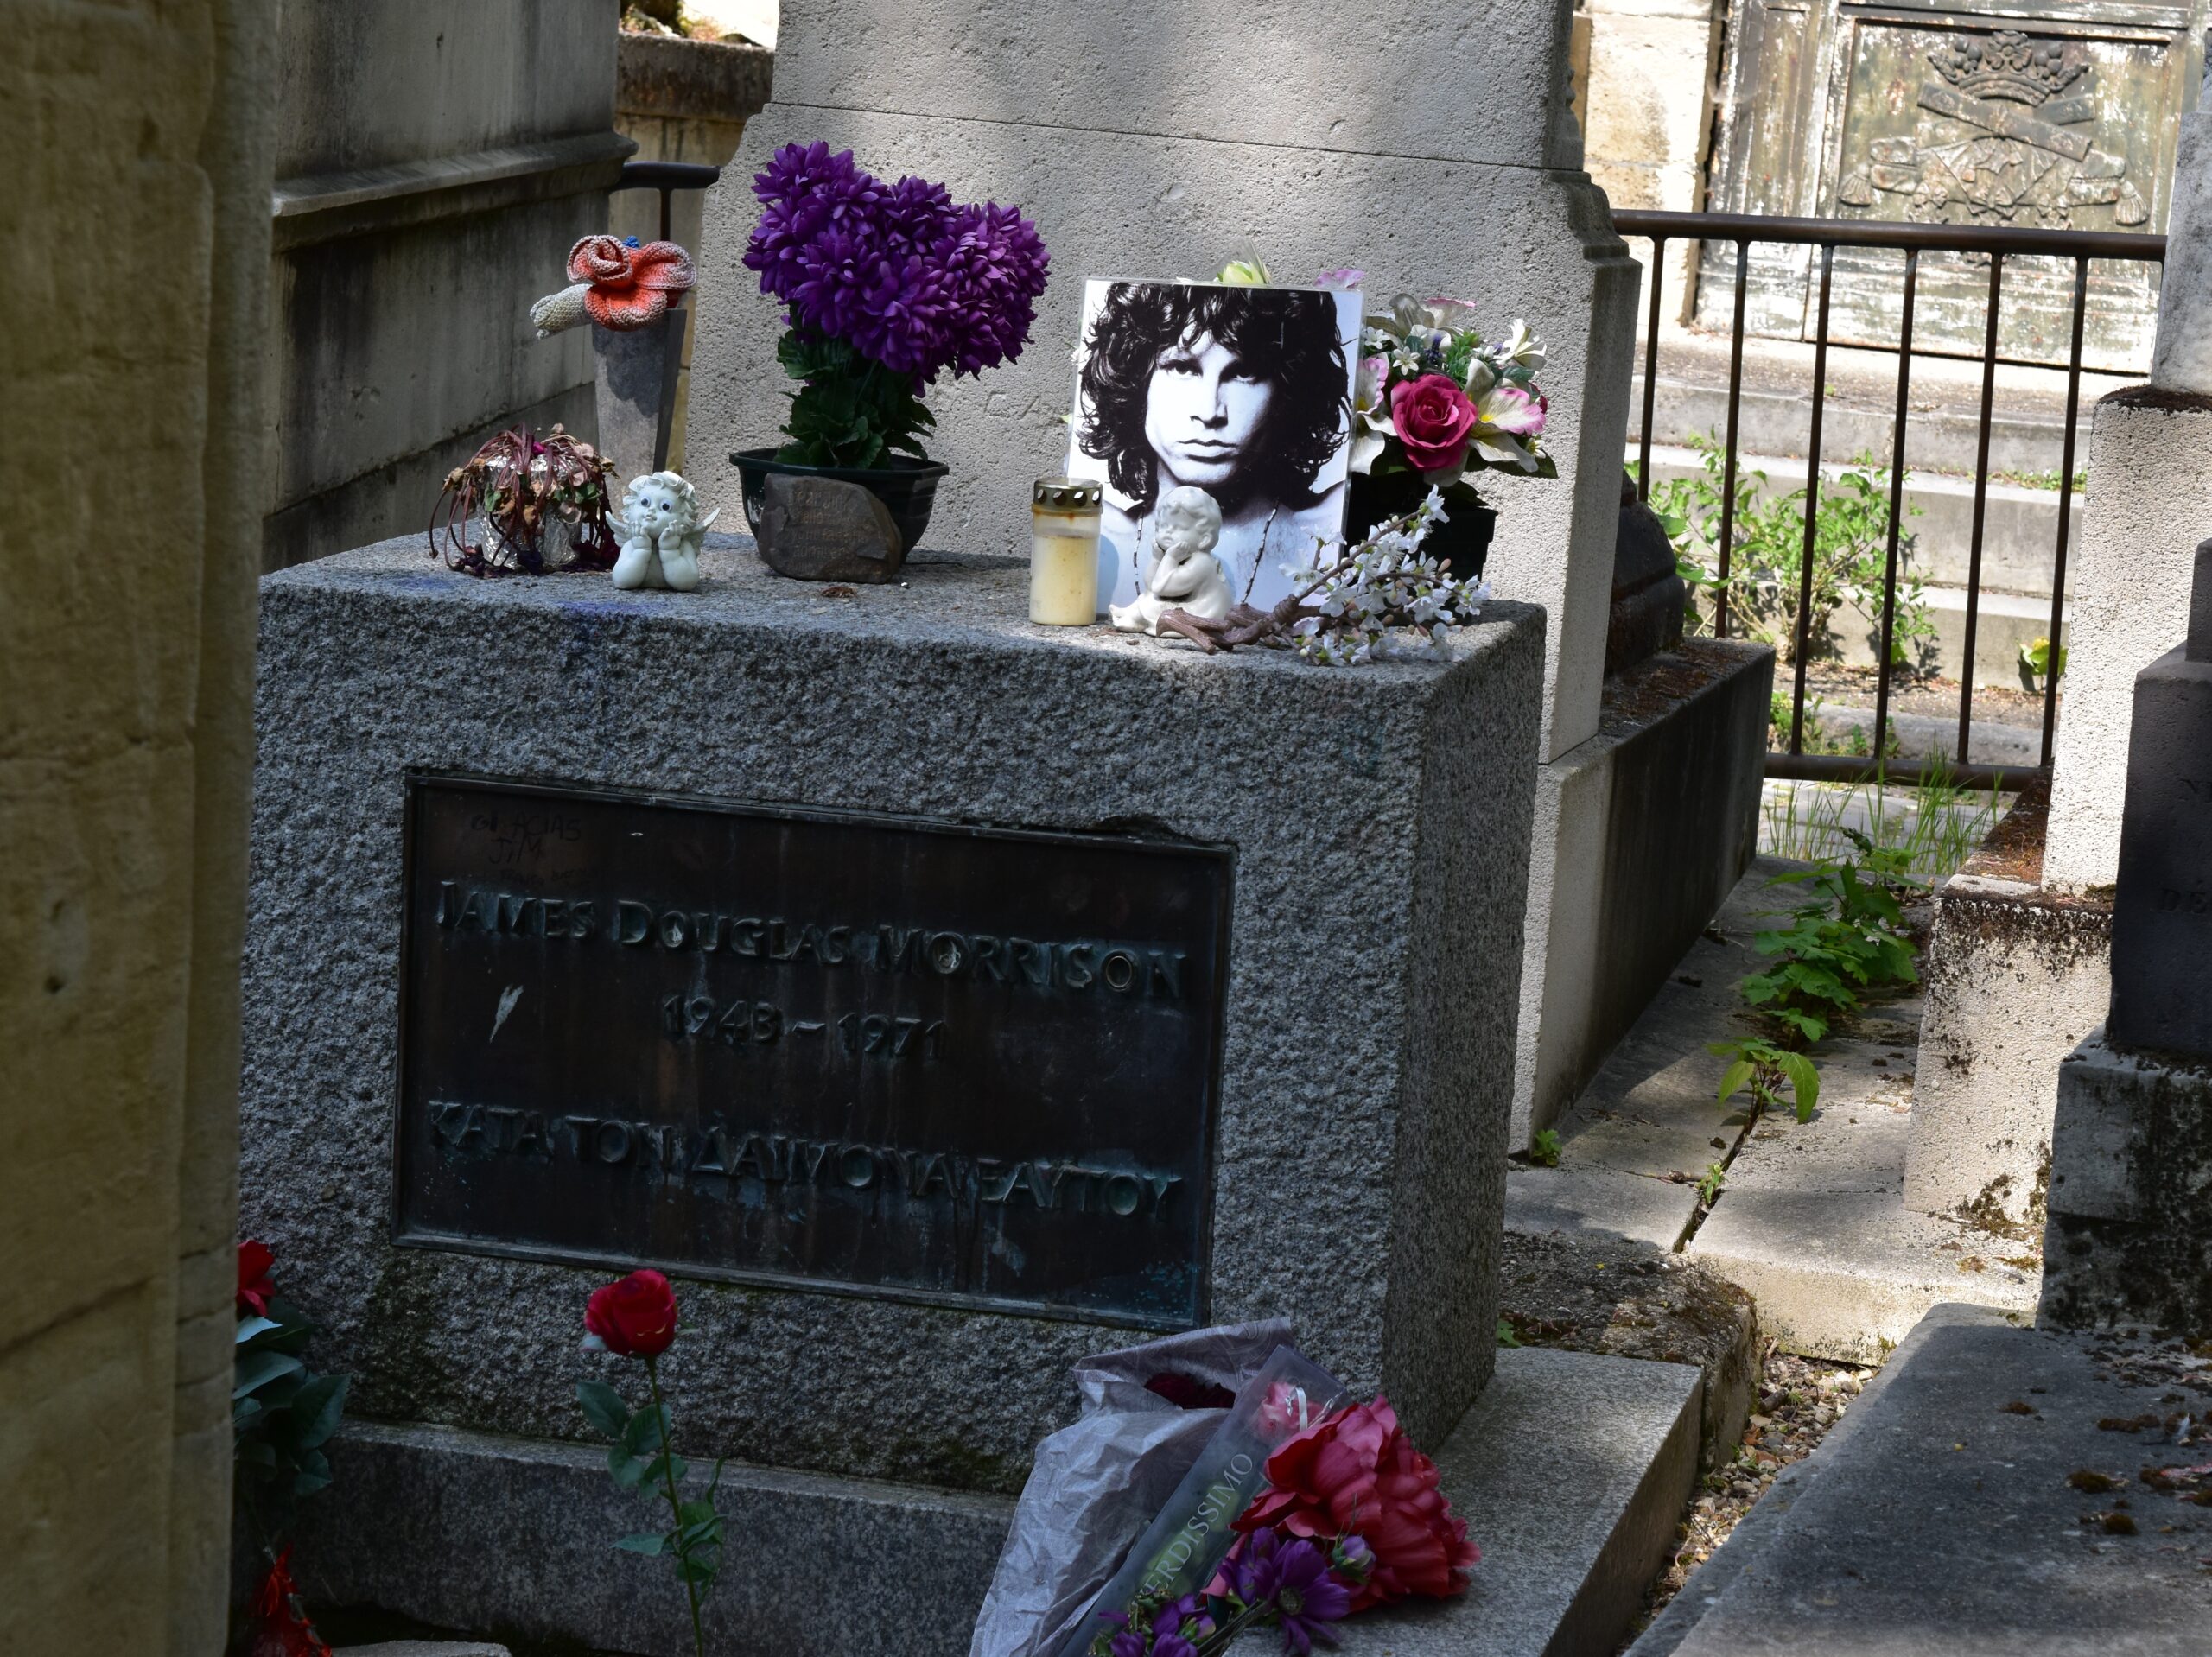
886 287
1350 1515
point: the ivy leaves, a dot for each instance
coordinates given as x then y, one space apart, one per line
642 1458
1848 940
849 410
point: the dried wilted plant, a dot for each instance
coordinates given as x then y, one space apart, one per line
528 491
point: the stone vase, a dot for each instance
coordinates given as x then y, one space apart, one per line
1461 542
634 373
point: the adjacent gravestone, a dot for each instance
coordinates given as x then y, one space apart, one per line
2060 115
938 998
2162 909
2130 1237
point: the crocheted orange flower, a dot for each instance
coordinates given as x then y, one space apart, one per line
630 286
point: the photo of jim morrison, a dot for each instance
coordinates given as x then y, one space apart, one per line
1243 392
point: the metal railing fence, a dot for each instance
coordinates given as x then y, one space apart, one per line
1827 235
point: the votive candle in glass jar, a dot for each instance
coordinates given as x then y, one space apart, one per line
1063 516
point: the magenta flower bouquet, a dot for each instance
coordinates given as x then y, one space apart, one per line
886 287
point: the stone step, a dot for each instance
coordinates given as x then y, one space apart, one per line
1573 1468
2019 525
1773 421
1937 1518
1923 736
2004 623
1812 1222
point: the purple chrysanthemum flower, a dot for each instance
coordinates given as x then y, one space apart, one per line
1292 1577
899 271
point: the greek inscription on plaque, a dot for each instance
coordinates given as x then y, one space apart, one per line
866 1054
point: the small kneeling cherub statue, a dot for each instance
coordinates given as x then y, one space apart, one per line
1184 573
661 530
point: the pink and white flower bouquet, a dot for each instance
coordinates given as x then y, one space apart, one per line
1435 397
1434 404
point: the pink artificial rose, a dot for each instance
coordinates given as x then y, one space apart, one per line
1434 419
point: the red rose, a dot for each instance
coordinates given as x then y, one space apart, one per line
254 1288
1434 418
635 1318
1354 1474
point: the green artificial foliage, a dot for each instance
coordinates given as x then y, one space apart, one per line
849 410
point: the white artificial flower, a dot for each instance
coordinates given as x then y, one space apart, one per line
1523 347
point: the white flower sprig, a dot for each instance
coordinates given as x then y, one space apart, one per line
1356 607
1375 599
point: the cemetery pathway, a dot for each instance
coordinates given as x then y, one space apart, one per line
1786 1275
1809 1219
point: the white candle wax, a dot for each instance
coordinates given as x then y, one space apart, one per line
1064 569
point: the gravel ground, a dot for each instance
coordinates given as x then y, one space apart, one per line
1800 1398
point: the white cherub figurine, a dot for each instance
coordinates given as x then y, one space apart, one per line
1184 573
661 530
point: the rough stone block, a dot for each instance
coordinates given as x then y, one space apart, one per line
2016 974
823 529
1380 818
2130 1186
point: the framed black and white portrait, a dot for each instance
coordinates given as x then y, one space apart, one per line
1243 392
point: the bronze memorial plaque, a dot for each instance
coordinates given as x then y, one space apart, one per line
869 1055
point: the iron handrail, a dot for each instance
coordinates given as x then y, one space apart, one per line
1878 233
1997 242
666 176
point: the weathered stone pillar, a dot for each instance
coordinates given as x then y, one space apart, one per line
2130 1235
2150 501
126 643
2017 973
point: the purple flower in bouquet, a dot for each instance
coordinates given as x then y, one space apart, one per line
1292 1579
1174 1631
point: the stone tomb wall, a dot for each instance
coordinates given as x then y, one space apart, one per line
444 1217
1437 152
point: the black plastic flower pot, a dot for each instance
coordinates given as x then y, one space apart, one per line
906 488
1461 543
